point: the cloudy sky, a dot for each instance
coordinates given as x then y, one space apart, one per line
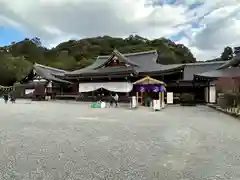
205 26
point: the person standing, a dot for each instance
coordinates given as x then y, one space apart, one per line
110 99
116 99
98 97
12 98
5 97
113 99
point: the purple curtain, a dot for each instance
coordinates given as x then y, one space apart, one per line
150 87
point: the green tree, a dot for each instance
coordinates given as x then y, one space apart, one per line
13 69
64 61
227 54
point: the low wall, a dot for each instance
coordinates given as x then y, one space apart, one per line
234 112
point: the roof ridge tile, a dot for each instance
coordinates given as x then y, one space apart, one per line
130 54
48 67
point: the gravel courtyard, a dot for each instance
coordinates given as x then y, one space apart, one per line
70 141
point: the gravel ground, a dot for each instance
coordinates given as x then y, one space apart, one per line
70 141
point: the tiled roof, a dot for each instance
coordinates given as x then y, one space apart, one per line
49 73
136 59
235 61
195 68
141 62
121 57
226 69
107 70
227 72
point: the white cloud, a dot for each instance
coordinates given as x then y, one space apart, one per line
59 20
184 40
7 21
221 29
190 2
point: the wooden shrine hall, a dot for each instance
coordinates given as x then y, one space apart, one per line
132 74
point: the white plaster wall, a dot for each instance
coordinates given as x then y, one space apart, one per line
49 84
212 94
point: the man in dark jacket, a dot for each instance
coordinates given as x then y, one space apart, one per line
12 98
111 100
5 97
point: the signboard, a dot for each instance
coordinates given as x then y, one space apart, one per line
155 89
169 97
150 87
29 91
142 89
156 105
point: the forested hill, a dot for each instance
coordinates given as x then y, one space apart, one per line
16 59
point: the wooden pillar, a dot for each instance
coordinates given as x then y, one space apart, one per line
162 102
195 89
160 98
137 97
92 96
208 91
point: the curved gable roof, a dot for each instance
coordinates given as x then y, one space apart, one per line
49 73
139 59
120 56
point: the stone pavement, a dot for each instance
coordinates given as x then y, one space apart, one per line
62 141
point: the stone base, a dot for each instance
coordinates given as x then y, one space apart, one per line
228 111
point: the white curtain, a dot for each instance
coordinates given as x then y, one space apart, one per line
124 87
110 86
40 80
88 87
